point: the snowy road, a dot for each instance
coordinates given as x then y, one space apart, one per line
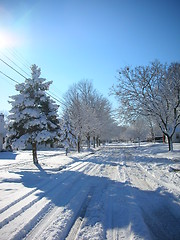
120 192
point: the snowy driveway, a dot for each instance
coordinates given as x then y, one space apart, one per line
120 192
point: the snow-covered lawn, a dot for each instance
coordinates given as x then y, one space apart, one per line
119 192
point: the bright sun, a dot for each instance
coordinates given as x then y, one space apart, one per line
7 39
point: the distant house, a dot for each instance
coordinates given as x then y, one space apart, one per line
2 131
176 136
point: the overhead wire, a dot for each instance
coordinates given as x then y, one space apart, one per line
6 79
12 68
55 97
17 54
9 77
19 83
21 60
14 63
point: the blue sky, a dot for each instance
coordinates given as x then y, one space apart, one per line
71 40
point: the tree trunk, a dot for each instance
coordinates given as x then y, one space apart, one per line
88 141
79 144
152 133
34 151
170 143
94 142
164 138
97 142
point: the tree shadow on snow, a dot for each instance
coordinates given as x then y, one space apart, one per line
8 155
98 160
124 157
116 205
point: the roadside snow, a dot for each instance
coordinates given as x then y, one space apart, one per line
119 192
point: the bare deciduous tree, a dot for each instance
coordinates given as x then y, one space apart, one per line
152 91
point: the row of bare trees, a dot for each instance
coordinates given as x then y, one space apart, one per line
89 112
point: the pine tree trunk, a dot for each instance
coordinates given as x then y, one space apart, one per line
34 151
170 143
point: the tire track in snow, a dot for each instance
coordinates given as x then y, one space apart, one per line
122 208
123 212
158 181
112 232
15 165
158 213
77 221
76 231
59 221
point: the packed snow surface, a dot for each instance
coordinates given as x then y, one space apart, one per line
116 192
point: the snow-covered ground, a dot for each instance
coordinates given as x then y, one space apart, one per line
119 192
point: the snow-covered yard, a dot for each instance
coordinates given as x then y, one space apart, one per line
119 192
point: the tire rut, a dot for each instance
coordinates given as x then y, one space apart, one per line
57 213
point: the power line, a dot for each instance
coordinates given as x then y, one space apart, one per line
18 54
55 95
12 68
14 63
18 58
46 92
9 77
56 90
55 98
5 79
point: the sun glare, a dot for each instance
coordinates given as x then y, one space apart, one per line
8 39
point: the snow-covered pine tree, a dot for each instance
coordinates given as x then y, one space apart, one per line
68 134
33 118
